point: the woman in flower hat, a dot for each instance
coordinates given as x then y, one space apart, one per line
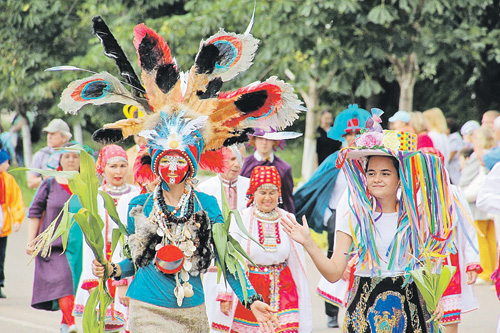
392 222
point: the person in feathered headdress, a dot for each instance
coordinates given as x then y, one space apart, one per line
187 120
401 210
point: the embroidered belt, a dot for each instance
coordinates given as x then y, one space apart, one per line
264 269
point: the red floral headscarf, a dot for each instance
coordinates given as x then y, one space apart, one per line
263 175
109 154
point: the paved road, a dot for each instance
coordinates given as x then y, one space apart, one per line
17 316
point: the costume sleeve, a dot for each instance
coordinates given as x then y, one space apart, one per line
16 202
39 203
127 267
342 214
489 195
466 234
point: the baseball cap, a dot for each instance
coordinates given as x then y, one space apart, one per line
469 127
58 125
400 116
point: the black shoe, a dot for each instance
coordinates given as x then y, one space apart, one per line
332 322
2 295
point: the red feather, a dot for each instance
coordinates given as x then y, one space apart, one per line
270 106
143 173
158 49
215 160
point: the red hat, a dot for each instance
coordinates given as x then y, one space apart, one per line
107 154
263 175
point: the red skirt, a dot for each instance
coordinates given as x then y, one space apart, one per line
276 285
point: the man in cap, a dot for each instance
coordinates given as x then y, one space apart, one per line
399 121
48 158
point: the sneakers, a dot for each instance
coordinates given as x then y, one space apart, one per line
332 322
2 295
73 329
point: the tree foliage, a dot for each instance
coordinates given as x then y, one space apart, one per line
333 52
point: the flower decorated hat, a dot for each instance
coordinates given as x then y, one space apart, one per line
428 210
376 141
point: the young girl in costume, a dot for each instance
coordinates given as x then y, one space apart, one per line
112 165
56 279
380 225
280 275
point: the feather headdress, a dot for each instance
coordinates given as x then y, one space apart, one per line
191 100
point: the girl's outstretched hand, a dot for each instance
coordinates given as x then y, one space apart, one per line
299 233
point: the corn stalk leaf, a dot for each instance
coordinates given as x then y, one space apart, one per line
115 239
64 225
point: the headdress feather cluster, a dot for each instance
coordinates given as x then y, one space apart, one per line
222 118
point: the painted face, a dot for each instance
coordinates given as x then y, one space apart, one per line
266 199
173 168
116 172
382 178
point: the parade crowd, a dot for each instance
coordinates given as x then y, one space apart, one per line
423 191
469 151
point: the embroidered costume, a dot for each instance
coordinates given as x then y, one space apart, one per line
385 243
280 272
319 198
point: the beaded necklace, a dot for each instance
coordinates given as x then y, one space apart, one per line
268 229
179 231
117 191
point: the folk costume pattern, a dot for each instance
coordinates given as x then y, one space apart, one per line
397 308
424 225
